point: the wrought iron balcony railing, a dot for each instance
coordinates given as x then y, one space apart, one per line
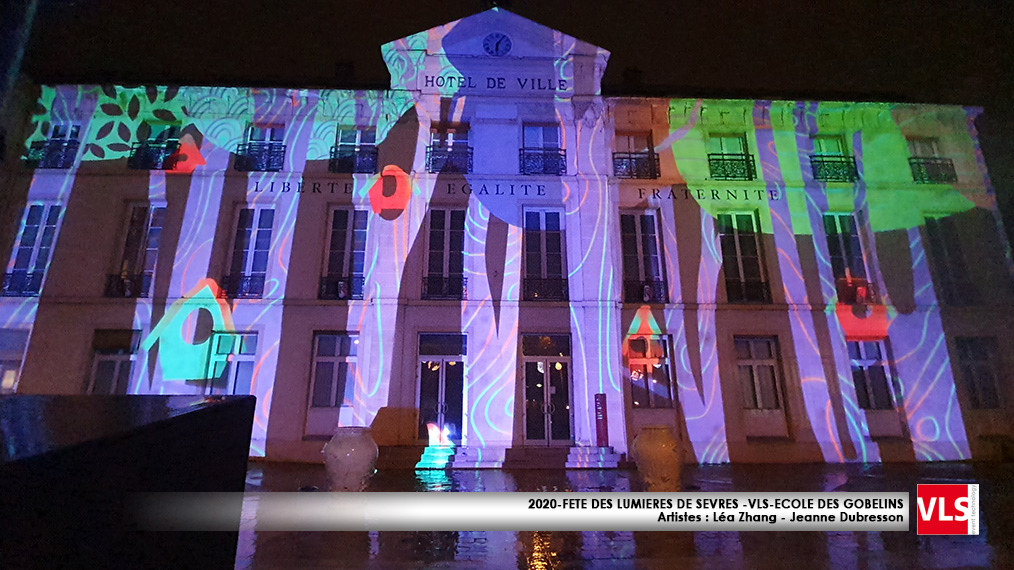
539 289
856 291
260 157
339 287
753 291
932 170
732 166
128 285
243 286
22 284
441 287
349 160
650 291
551 161
834 168
53 153
153 156
454 158
635 165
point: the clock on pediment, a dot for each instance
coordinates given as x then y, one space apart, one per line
497 43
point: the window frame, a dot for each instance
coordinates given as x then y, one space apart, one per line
855 217
947 261
971 380
232 359
861 361
641 259
774 361
130 268
737 234
118 357
645 363
543 237
352 371
250 250
31 266
348 255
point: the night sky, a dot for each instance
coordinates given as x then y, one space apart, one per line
937 52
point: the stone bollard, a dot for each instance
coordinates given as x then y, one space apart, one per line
350 458
659 458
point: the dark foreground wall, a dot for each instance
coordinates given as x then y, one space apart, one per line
70 468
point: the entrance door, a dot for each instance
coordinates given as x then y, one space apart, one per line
548 415
441 384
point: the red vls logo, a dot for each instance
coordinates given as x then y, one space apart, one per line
947 509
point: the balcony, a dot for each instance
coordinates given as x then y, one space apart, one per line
651 291
454 158
833 168
260 157
539 289
349 160
242 286
635 165
856 291
732 166
336 287
153 156
53 153
551 161
932 170
22 284
128 286
441 287
747 291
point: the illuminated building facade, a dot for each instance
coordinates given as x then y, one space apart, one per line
490 248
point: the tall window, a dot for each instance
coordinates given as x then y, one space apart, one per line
140 252
113 354
334 369
263 151
847 262
955 286
742 258
231 363
12 353
977 362
635 156
831 161
344 273
355 150
927 164
158 151
545 259
650 385
728 157
542 151
449 150
759 372
27 269
59 151
445 264
643 281
251 246
870 375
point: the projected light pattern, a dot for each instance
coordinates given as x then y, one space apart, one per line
547 89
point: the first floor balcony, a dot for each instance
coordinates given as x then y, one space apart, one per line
635 165
123 285
647 291
22 284
241 286
549 161
453 158
932 170
749 291
53 153
833 168
339 287
444 287
353 160
260 157
545 289
153 156
856 291
732 166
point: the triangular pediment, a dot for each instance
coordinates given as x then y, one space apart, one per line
476 47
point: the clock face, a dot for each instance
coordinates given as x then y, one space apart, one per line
497 44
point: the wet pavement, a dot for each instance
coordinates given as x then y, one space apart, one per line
992 548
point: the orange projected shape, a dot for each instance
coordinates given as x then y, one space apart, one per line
188 156
862 322
390 193
438 436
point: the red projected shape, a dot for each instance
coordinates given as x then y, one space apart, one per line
188 156
390 193
862 322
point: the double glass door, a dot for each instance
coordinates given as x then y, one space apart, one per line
441 385
548 414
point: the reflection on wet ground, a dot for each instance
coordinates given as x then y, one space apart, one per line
992 548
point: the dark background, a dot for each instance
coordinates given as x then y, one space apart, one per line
930 52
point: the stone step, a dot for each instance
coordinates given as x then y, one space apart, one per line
477 458
592 458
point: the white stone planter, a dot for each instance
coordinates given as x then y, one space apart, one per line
659 458
350 458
